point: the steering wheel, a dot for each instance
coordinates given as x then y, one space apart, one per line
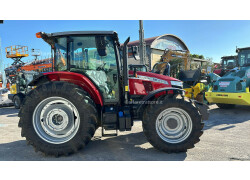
101 67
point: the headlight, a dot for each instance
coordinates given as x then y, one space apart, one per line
177 84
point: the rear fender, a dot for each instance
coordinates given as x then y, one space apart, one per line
79 79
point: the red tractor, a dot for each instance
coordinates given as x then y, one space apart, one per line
91 87
227 64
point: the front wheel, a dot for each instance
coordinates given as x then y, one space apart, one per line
174 125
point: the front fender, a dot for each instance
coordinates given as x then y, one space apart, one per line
152 94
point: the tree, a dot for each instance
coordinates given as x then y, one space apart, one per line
201 57
197 56
209 63
176 65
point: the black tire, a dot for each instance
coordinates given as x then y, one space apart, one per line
79 98
17 100
149 124
225 106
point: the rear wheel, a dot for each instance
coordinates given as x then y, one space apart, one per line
58 118
174 125
226 106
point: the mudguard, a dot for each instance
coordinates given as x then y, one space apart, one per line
153 93
202 108
79 79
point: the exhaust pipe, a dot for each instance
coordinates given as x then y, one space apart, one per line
125 70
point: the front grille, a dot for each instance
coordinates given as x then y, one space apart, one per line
148 86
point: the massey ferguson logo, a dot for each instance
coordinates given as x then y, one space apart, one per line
223 95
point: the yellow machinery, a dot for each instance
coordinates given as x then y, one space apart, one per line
233 88
16 51
195 83
172 54
13 89
222 98
195 92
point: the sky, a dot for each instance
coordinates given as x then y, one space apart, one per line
212 39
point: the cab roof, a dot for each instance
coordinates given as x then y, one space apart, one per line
68 33
49 37
240 49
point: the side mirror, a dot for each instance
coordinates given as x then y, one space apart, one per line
135 52
101 45
135 49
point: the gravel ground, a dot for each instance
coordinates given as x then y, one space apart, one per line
226 138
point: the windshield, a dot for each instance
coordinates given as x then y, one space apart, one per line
83 54
138 68
244 57
86 54
229 63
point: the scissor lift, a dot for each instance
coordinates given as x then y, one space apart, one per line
17 52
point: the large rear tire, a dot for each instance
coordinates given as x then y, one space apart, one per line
172 125
225 106
58 118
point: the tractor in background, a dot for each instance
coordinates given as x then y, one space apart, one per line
196 83
91 87
233 88
20 88
227 64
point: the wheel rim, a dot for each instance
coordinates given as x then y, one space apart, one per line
174 125
56 120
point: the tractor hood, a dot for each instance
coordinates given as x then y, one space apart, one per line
154 75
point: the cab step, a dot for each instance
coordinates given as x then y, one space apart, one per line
110 134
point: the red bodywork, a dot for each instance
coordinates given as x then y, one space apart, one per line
79 80
217 71
139 85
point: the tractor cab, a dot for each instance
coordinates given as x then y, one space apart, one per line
243 57
227 64
94 55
